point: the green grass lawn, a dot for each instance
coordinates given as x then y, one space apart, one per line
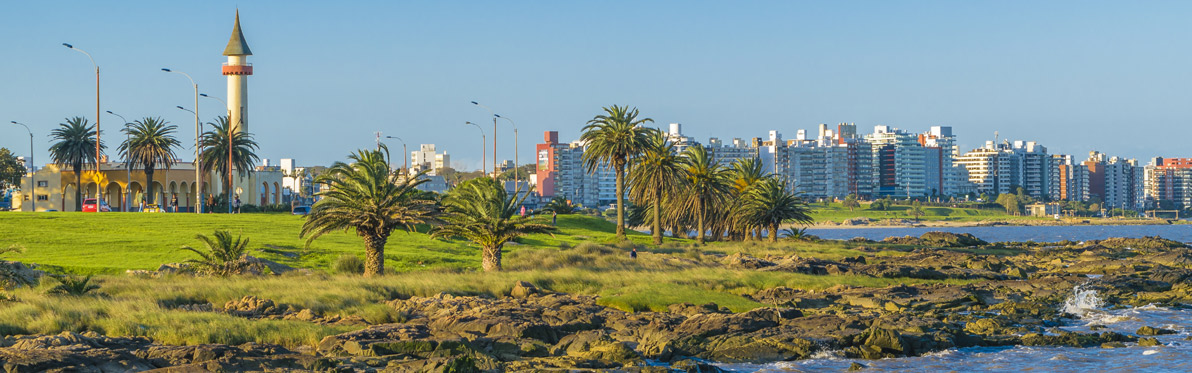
114 242
837 212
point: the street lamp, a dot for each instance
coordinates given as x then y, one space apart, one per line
198 163
406 155
516 178
97 188
494 115
32 175
482 150
127 163
230 131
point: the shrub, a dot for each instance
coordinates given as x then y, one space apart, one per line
349 263
72 285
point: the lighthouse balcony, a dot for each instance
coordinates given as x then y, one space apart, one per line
244 69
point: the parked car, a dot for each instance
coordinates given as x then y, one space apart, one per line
92 205
301 210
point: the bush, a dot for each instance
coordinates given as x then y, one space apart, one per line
349 264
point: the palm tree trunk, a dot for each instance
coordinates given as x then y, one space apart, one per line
699 219
620 203
78 169
491 259
657 220
149 185
773 233
374 252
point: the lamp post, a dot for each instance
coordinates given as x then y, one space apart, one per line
406 154
230 130
97 188
494 116
516 178
32 175
482 144
127 164
198 163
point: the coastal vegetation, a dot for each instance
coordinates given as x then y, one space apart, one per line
74 145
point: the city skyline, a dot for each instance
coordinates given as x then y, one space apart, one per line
1074 76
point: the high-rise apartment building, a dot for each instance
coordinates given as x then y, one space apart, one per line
941 177
1072 179
988 170
897 162
1116 181
561 173
1169 183
426 158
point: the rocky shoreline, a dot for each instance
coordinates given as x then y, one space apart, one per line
998 294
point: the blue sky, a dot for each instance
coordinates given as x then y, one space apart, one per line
1072 75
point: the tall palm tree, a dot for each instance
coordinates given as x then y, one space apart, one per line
481 211
613 138
150 143
744 175
75 146
656 175
365 196
771 202
215 152
707 185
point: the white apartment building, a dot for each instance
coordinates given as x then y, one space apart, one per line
426 158
898 167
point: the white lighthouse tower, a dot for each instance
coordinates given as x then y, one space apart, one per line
237 69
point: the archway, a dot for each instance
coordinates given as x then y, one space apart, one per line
264 193
89 190
186 197
276 194
169 200
115 196
136 193
68 197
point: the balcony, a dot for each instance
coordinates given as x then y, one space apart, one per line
245 69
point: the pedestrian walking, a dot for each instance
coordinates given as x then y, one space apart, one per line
236 204
174 203
633 254
554 217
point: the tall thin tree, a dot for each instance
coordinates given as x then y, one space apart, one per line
655 176
150 144
613 139
707 185
75 146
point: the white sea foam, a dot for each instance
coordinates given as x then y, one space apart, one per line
828 354
1082 301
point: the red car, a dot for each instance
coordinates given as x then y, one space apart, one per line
90 205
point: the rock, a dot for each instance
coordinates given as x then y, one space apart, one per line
855 366
1149 342
983 326
1148 330
596 345
1113 345
253 307
692 366
743 261
522 289
885 341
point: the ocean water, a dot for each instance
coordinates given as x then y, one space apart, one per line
1182 233
1174 355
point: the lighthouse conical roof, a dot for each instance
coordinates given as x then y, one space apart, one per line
237 46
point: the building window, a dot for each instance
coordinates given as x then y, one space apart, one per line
43 197
43 183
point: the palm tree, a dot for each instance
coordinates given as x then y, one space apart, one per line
215 152
559 205
222 255
72 285
150 143
366 197
771 203
75 147
657 174
707 185
744 174
613 138
481 211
